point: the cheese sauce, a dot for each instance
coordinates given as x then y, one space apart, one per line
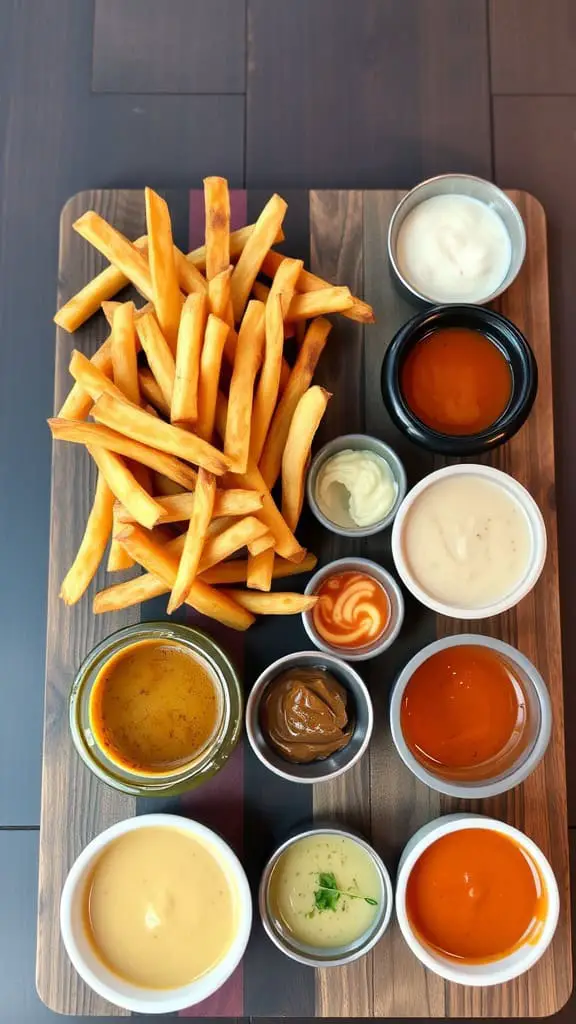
467 541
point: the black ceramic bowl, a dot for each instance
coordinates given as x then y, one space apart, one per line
501 332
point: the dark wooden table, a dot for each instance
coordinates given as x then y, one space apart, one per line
271 93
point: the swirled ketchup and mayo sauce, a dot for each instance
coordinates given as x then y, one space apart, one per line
352 611
355 488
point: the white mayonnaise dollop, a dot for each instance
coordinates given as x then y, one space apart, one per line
355 488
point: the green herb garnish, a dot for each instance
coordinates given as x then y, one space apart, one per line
327 894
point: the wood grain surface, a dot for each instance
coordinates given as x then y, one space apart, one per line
379 797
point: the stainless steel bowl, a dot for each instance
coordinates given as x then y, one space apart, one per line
342 760
356 442
463 185
339 955
395 598
538 732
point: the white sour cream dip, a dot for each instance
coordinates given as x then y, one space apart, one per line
355 488
454 248
467 541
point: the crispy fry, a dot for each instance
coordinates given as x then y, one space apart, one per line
91 379
191 280
272 604
217 207
141 426
298 382
109 309
308 282
210 363
150 390
240 533
178 507
124 358
236 571
219 293
118 558
96 434
158 353
154 558
125 487
238 240
305 423
263 543
269 382
260 568
204 497
117 250
166 292
258 244
246 363
92 546
78 403
164 487
88 300
184 408
318 303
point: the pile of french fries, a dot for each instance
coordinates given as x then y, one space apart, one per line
192 413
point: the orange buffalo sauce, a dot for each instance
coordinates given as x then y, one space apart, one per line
475 895
456 381
154 707
464 712
353 610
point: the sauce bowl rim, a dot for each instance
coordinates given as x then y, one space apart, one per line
507 967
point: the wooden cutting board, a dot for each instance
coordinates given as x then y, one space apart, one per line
342 235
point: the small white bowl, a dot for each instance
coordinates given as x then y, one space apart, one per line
93 970
392 591
535 522
497 971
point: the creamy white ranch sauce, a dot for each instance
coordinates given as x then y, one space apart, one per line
355 488
467 541
454 248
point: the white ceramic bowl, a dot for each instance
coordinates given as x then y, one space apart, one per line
537 530
537 734
95 973
498 971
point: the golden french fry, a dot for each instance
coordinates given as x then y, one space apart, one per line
178 507
80 432
268 385
298 382
88 300
164 487
118 558
219 294
184 408
246 363
258 244
210 363
204 497
191 280
166 292
236 571
325 300
260 567
78 403
151 391
92 546
125 487
284 283
305 422
141 426
109 309
217 207
117 250
272 604
155 559
238 240
308 282
220 546
158 353
263 543
91 379
124 356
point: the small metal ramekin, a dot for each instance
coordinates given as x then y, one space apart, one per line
339 955
361 710
356 442
463 185
393 593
